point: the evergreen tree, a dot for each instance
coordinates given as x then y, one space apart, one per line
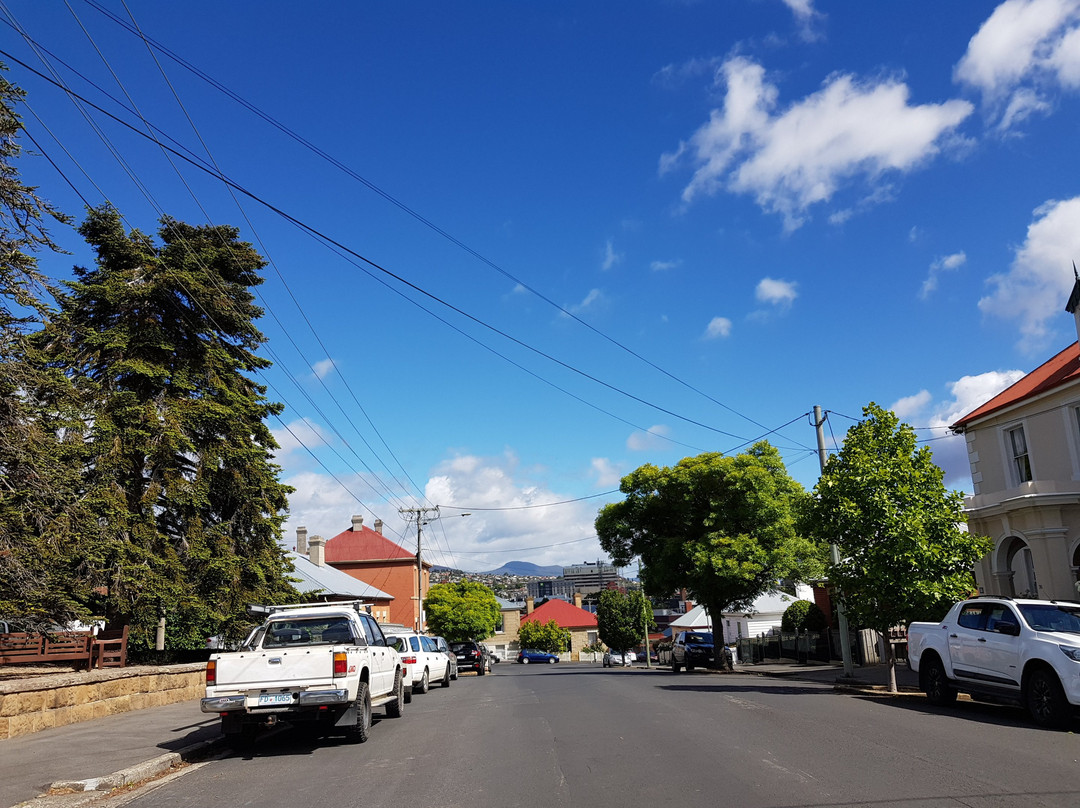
43 518
181 474
466 610
622 619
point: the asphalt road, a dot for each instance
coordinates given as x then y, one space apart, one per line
579 735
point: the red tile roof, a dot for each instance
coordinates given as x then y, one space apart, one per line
563 613
1061 369
363 545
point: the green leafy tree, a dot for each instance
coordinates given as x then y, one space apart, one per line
904 555
722 527
44 518
802 615
622 619
466 610
181 472
549 636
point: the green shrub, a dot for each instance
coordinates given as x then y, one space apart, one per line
802 615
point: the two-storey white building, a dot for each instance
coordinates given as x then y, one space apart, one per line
1024 450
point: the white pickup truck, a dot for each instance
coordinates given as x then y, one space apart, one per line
326 664
1003 649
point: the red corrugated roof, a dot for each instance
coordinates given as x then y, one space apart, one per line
363 545
563 613
1063 368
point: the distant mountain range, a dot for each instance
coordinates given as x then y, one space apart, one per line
513 568
525 568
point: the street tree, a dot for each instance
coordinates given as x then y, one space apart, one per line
44 518
549 636
622 619
722 527
904 554
466 610
181 471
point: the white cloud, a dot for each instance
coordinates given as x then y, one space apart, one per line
302 432
776 292
1024 50
611 258
607 474
718 327
967 394
909 406
805 16
594 296
323 368
947 264
792 159
1035 289
664 266
649 440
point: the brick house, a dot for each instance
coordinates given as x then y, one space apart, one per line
369 556
580 623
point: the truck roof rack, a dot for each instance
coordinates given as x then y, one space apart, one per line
259 610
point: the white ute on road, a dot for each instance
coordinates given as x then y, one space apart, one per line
1003 649
323 664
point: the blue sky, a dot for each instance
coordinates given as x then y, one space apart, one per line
605 234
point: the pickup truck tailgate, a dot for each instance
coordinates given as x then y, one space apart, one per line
278 669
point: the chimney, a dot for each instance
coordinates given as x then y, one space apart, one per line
577 599
301 540
1073 306
378 526
317 551
357 524
530 605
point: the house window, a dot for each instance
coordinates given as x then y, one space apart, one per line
1019 451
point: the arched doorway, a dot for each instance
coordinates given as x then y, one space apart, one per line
1017 569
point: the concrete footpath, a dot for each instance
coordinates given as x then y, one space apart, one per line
94 757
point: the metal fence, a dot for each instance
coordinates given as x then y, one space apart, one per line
809 646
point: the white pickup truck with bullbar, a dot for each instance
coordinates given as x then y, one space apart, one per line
324 664
1003 649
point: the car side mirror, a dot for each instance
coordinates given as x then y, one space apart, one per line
1012 629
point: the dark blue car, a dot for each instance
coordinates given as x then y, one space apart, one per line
528 655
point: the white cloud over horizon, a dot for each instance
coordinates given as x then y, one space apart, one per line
792 159
1022 54
297 434
1034 290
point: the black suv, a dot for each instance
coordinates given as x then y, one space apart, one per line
470 656
692 648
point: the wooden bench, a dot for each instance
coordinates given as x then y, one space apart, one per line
64 646
110 648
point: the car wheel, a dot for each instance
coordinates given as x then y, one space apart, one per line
361 729
454 674
936 684
525 660
446 677
422 688
552 660
395 708
1046 700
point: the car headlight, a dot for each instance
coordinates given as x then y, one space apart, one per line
1071 651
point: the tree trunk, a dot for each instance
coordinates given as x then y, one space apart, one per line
889 658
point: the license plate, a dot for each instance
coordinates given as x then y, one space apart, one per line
270 699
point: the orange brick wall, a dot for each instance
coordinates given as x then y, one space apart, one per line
397 578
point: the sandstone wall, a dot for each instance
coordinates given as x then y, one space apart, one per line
34 704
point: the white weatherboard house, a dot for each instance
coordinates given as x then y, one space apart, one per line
761 618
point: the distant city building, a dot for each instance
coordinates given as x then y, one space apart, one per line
559 588
590 577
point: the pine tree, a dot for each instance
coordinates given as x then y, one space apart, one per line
42 511
182 474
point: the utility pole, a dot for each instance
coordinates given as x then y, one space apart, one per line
422 516
834 557
648 616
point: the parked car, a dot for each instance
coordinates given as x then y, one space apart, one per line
425 662
690 649
492 657
1003 649
470 656
444 647
527 655
612 658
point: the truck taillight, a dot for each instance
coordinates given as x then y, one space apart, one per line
341 664
211 673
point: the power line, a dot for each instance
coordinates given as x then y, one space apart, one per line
528 507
